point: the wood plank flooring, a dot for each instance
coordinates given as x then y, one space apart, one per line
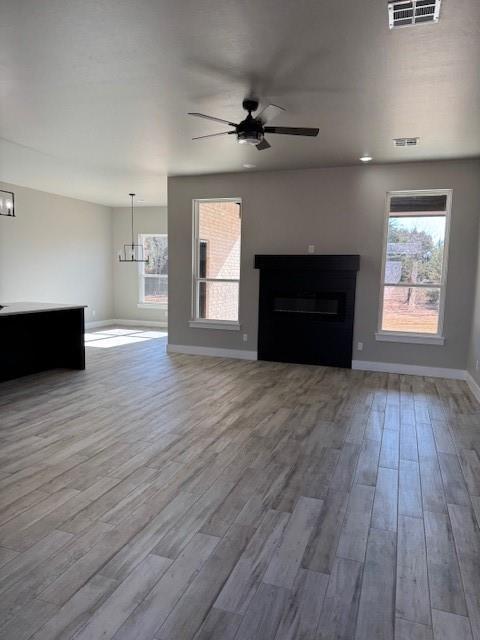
156 497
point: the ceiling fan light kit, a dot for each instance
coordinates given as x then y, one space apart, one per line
252 129
246 137
7 203
132 252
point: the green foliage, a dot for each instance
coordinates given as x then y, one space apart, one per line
425 264
156 248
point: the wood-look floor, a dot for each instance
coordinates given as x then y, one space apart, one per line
189 498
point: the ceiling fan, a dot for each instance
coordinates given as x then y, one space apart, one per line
253 129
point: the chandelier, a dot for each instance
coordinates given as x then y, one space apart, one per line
132 252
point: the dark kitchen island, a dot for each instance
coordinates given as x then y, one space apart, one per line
36 336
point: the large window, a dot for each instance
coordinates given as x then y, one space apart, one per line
415 265
153 275
216 262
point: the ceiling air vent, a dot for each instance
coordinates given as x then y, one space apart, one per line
405 142
405 13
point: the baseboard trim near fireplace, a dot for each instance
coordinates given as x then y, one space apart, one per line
361 365
409 369
211 351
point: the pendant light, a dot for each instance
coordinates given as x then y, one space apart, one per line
7 203
132 252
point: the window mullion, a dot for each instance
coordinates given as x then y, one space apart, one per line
410 285
218 279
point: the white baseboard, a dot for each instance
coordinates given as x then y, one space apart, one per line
473 385
409 369
362 365
210 351
98 323
141 323
126 323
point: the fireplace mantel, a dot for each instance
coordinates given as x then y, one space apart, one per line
308 262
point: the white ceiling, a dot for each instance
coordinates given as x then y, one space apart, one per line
94 92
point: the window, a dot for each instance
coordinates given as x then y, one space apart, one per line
153 275
216 263
414 266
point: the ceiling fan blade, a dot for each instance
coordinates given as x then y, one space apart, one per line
213 135
202 115
263 145
268 113
292 131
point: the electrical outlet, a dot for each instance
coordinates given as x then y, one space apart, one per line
476 366
93 313
311 248
360 346
245 337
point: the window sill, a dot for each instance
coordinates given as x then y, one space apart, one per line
155 306
226 325
414 338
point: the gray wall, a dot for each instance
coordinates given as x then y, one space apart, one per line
57 249
474 351
340 210
125 276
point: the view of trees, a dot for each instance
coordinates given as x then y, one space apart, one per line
156 249
415 246
155 271
420 255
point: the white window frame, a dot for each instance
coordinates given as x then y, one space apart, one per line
204 323
142 275
408 336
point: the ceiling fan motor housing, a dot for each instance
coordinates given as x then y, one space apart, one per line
250 104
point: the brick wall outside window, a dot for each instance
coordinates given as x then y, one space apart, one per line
219 226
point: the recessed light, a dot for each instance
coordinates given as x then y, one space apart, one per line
366 158
249 166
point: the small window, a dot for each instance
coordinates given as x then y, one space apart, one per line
414 264
216 261
153 275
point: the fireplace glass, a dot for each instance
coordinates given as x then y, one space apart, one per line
328 304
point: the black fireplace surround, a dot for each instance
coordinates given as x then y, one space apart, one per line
306 308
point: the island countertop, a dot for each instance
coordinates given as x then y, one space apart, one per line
16 308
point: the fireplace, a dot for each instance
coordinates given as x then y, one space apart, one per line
306 308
